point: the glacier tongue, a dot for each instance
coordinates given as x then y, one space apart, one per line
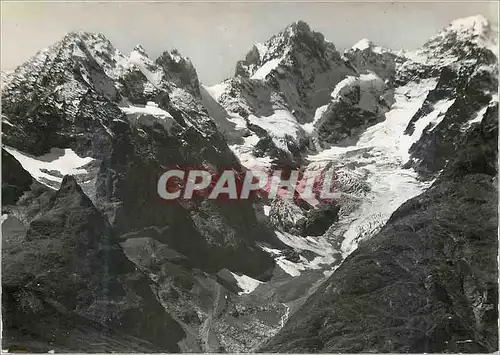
375 104
377 158
380 153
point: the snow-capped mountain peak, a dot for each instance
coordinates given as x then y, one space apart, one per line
473 25
93 41
283 48
365 45
464 34
179 70
85 36
362 44
399 138
140 49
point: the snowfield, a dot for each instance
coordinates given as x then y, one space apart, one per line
280 124
150 109
217 90
53 166
244 152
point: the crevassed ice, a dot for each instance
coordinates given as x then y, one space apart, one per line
319 246
390 184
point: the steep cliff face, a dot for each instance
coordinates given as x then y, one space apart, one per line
367 56
300 64
466 58
357 103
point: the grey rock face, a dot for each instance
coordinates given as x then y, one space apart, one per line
375 59
471 86
15 180
180 71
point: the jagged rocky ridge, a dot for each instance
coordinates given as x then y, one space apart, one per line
386 123
127 116
130 117
280 84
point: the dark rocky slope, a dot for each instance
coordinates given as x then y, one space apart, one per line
15 180
67 284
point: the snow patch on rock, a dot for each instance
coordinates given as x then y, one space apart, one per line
151 108
244 152
148 115
309 127
52 166
246 283
265 69
369 86
429 121
145 65
320 246
280 124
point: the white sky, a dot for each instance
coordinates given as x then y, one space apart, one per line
216 35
